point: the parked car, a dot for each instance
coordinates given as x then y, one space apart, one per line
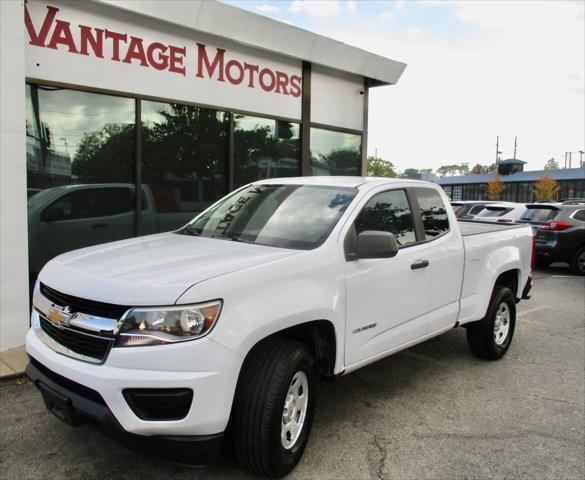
61 219
559 231
502 212
467 209
167 339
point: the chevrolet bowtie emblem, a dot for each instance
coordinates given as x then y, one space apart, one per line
60 316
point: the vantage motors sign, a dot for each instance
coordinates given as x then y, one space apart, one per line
97 46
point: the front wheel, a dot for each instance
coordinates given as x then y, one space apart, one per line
274 407
491 337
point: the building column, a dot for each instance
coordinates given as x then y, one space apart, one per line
366 96
14 292
306 121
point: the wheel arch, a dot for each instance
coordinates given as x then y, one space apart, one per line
510 278
318 335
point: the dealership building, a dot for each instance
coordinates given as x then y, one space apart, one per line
518 184
124 118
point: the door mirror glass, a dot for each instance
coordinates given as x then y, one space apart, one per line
376 244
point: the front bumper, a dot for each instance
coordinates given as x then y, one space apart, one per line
76 404
203 366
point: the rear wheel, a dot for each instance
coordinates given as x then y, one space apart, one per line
274 407
578 262
490 338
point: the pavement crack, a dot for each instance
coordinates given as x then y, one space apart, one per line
540 397
380 447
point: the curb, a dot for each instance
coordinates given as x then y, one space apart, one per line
12 377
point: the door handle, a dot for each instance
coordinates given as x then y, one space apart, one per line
99 225
419 264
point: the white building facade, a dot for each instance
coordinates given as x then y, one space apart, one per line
124 118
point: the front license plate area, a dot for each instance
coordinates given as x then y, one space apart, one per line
60 406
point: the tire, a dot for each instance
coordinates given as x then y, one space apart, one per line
542 262
482 338
272 370
578 262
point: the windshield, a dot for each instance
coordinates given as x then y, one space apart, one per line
286 216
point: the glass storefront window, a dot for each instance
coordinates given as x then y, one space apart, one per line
80 164
184 152
335 153
265 148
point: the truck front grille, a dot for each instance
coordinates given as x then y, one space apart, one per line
91 345
76 304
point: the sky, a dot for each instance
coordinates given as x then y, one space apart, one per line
476 70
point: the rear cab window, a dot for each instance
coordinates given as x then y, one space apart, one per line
433 212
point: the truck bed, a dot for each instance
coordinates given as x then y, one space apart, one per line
473 227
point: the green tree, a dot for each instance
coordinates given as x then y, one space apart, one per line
106 155
477 169
552 164
380 168
483 169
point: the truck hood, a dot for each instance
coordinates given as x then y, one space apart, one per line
152 270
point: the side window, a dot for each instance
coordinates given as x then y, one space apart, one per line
433 212
388 212
579 215
90 203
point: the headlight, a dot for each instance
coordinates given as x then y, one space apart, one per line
160 325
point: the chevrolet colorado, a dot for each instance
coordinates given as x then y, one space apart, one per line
226 325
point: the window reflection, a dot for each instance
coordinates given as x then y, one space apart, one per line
287 216
335 153
433 212
183 161
74 141
264 148
388 212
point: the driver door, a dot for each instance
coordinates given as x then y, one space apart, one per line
387 298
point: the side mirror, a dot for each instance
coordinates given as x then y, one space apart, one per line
52 214
375 244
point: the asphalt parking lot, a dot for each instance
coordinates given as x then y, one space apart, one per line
431 412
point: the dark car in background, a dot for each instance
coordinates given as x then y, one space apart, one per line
559 231
467 209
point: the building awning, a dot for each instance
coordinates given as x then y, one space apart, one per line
247 28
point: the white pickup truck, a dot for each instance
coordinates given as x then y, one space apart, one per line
226 325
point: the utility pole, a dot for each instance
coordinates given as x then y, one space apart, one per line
515 143
581 152
497 149
565 159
